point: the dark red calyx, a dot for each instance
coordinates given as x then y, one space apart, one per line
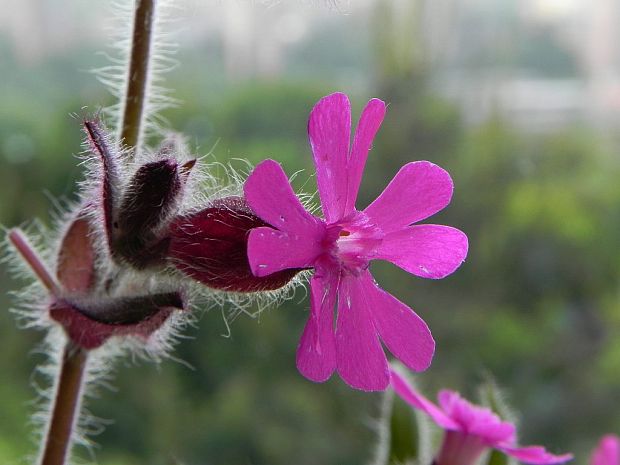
75 265
90 324
126 310
211 247
149 199
98 141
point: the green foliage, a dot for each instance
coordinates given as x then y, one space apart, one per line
497 458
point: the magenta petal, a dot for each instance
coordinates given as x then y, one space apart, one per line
360 357
420 189
417 400
269 194
426 250
534 454
404 333
270 250
476 420
211 246
316 353
329 132
367 127
607 452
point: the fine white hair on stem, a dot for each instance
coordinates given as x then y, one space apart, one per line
161 60
382 426
97 376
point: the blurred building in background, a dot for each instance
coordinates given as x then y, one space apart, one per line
543 64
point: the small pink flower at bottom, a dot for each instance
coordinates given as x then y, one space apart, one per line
470 429
607 452
340 247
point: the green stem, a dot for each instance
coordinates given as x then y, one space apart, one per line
67 400
137 78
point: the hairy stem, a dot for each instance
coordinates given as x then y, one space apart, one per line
67 400
137 78
19 241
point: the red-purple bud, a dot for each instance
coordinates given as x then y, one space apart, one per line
148 200
211 247
109 171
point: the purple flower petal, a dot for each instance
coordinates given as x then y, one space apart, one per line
269 194
427 250
534 455
607 452
360 357
404 333
367 127
329 133
420 189
270 250
417 400
316 353
476 420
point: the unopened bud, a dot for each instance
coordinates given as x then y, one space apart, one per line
150 197
211 247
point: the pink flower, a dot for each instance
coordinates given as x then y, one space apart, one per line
607 451
470 429
340 247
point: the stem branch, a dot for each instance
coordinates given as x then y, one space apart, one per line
137 78
28 253
67 399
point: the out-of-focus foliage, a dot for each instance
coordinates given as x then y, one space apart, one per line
535 304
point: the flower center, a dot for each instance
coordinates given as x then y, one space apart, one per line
352 242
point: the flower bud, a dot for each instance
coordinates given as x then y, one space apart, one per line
150 197
211 247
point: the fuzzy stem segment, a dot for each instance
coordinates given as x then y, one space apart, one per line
19 241
137 79
67 399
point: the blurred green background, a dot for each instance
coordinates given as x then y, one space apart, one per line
518 100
